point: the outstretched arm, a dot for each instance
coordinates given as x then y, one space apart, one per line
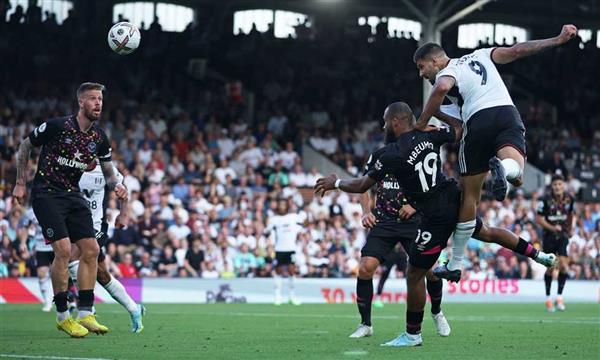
357 185
22 161
436 98
505 55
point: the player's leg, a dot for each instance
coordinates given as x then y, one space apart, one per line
278 279
415 306
292 282
117 291
386 269
43 261
435 287
563 273
509 141
364 295
511 241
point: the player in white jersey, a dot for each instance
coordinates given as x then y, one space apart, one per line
43 258
493 132
92 186
285 228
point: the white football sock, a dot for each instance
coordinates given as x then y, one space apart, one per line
46 288
118 292
62 316
278 284
512 170
292 287
73 268
462 234
83 313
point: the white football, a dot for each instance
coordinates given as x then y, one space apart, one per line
124 38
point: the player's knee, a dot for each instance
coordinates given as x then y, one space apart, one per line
62 250
367 267
89 251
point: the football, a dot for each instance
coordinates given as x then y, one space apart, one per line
124 38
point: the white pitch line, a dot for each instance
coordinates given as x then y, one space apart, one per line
355 353
17 356
468 318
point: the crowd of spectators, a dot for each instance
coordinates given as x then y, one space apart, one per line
204 175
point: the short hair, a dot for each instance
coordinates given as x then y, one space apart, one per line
427 50
86 86
401 109
557 177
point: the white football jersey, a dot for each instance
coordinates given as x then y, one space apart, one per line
478 81
286 229
37 234
92 185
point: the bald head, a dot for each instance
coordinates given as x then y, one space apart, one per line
398 118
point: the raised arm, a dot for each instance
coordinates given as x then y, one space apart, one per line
22 161
505 55
436 98
356 186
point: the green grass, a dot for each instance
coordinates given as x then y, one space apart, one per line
242 331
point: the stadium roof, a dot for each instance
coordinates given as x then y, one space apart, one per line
527 13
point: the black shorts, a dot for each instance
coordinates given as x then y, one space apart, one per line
43 258
63 215
486 132
440 215
382 239
285 258
554 244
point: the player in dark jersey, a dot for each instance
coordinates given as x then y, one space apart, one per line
555 216
391 221
415 162
69 146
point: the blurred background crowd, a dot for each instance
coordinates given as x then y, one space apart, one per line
205 162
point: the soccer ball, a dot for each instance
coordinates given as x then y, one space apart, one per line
124 38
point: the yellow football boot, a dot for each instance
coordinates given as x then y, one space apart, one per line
72 328
89 322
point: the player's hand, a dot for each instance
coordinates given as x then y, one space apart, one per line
19 193
568 32
121 191
557 228
406 212
431 128
325 184
368 220
122 220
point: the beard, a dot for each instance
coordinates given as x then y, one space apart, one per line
90 114
390 137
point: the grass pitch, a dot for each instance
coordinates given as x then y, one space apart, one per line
244 331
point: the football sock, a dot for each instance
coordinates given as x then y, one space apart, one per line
46 288
548 281
62 310
383 278
73 267
364 296
86 303
562 279
512 170
118 292
413 322
525 248
278 283
292 284
462 234
434 289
